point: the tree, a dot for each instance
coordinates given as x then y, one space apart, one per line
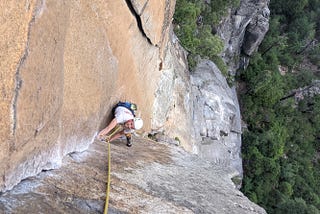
296 206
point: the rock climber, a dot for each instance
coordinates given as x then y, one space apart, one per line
124 123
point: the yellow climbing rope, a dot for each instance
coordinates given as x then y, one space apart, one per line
108 180
115 130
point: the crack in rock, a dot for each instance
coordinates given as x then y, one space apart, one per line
138 19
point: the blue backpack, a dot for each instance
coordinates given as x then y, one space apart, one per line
130 106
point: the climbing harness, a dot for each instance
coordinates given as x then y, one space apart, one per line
115 130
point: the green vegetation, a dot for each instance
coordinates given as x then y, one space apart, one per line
237 180
194 21
281 148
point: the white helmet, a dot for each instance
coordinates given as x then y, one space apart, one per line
138 123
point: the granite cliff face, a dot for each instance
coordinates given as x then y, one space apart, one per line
148 178
66 63
63 65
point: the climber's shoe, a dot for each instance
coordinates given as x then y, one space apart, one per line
129 143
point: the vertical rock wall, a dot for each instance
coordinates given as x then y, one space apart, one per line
172 107
198 110
13 45
217 117
63 65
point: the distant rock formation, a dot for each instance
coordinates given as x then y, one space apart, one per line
242 31
306 92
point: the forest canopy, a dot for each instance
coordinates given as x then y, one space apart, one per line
281 145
